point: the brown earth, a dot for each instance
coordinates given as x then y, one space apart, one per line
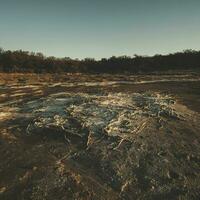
99 137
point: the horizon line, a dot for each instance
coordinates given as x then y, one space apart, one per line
98 59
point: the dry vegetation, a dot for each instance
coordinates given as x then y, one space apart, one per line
99 137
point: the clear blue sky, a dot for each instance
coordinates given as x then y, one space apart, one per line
100 28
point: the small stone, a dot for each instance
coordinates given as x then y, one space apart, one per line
34 168
2 190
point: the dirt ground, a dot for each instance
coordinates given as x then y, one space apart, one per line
91 137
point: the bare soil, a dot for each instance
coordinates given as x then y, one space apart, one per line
99 137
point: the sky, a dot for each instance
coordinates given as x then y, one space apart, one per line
100 28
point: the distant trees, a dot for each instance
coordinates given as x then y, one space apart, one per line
24 61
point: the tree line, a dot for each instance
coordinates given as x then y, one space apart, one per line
30 62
